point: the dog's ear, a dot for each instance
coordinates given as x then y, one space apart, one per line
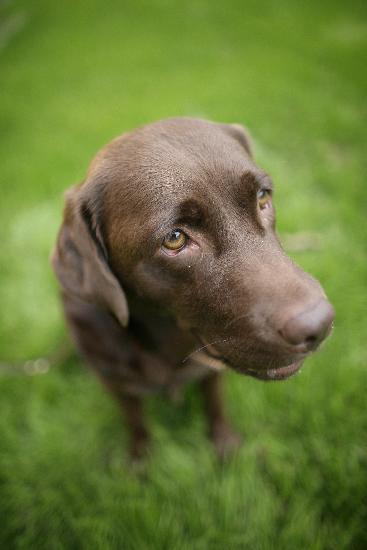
241 134
80 258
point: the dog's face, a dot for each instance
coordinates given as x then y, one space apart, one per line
187 222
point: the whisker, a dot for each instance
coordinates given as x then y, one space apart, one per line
203 347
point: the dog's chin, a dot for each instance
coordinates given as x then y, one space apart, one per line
261 373
272 374
266 374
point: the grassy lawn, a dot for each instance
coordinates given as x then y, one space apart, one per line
74 75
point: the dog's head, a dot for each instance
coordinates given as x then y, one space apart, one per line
178 213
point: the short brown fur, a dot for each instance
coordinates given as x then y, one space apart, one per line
138 314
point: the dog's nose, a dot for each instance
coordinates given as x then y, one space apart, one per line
310 327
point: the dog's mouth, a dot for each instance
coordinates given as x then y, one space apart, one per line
267 374
219 361
274 373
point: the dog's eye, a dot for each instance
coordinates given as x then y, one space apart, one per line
263 198
175 240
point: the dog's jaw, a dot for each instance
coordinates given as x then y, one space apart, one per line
217 362
274 374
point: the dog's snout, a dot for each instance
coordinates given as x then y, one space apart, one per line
309 327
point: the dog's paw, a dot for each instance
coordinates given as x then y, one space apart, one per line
139 450
226 441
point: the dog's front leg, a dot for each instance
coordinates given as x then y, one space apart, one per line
224 438
139 436
113 356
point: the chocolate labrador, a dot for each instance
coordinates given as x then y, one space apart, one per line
171 269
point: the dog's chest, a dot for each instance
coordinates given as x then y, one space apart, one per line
166 359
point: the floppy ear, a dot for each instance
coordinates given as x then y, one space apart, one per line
80 259
241 134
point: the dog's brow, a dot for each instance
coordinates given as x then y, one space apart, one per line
264 180
191 212
260 179
188 212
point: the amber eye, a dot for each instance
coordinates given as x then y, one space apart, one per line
175 240
263 198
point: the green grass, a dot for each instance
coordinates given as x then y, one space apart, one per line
74 75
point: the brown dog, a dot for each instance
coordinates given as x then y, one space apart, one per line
169 242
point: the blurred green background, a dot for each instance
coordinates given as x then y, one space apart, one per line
73 75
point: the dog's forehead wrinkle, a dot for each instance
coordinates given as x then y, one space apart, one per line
194 171
177 157
154 174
